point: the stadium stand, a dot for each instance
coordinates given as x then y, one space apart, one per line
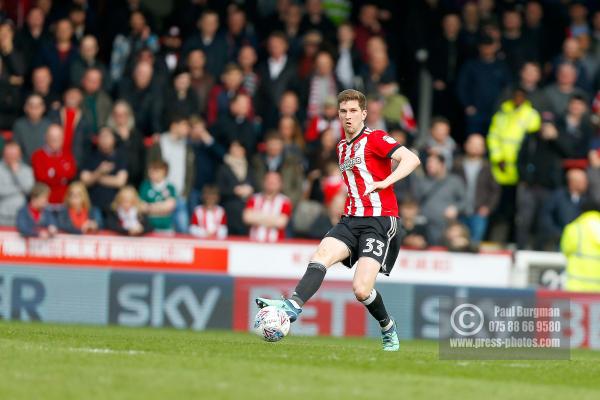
264 75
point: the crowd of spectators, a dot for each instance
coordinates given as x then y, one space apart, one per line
220 117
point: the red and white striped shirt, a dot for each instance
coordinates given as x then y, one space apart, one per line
364 160
278 205
209 223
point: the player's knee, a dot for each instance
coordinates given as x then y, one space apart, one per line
361 291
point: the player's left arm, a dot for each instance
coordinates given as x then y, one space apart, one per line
407 163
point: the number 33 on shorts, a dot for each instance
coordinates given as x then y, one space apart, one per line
369 247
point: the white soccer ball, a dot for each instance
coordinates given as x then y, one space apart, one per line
271 323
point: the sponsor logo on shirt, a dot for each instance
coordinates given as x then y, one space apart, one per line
350 163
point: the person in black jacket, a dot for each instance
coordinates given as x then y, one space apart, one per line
210 41
208 154
277 74
540 172
562 207
32 36
446 56
181 99
235 182
236 125
144 98
10 101
130 142
577 127
479 83
59 55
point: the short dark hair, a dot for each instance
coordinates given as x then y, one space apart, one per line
159 164
176 118
578 97
273 135
38 190
278 35
409 201
440 120
210 189
231 67
351 95
439 156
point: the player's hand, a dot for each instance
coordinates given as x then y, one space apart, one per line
375 187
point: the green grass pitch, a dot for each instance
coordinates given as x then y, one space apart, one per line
49 362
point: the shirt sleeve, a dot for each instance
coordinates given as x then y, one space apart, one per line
286 209
195 219
172 191
224 219
144 192
250 203
382 144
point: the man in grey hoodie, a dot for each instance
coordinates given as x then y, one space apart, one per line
16 181
29 131
442 197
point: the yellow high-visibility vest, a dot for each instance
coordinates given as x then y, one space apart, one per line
580 243
507 130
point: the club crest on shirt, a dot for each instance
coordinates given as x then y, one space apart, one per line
356 147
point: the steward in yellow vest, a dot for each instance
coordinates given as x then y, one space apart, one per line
510 124
581 245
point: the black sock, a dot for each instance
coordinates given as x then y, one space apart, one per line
374 304
310 283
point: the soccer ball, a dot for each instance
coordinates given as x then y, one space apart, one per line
271 323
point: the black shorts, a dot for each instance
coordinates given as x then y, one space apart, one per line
374 237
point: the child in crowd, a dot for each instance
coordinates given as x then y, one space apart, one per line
126 216
158 197
34 219
76 215
209 220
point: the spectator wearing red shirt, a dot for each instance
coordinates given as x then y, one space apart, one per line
268 213
76 125
209 219
52 166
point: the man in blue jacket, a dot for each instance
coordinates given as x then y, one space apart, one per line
479 84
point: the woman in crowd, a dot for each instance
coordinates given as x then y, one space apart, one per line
129 140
